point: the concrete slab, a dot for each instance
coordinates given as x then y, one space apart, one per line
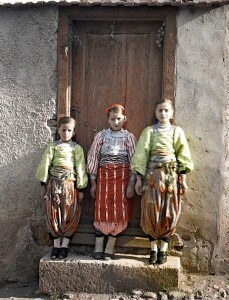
83 274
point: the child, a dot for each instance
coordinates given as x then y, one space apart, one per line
112 185
162 158
62 173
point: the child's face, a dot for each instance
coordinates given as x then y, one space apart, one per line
116 120
66 131
164 112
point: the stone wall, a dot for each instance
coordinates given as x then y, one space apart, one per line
28 76
28 60
202 110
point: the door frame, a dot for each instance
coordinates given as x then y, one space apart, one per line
118 13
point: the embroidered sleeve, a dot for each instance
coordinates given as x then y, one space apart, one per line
80 165
42 173
182 151
141 156
131 145
93 154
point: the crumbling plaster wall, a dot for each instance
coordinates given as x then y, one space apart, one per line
202 110
28 61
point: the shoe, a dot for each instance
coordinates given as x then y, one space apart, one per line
98 255
63 252
162 257
55 253
153 257
108 256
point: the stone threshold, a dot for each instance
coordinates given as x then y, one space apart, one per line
83 274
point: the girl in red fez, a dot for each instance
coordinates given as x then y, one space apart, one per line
112 184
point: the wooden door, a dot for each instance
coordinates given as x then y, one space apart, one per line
114 62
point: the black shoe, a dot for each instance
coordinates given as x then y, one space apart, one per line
98 255
63 253
55 253
162 257
153 257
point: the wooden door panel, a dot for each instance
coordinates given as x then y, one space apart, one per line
140 98
115 62
137 61
105 79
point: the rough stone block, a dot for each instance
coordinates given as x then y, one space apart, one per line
125 273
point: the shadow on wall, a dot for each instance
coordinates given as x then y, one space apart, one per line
20 214
191 13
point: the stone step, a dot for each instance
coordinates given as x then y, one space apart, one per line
83 274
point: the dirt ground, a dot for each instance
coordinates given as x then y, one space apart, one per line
195 286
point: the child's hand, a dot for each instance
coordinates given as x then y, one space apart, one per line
183 183
138 185
130 189
80 196
43 191
93 188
